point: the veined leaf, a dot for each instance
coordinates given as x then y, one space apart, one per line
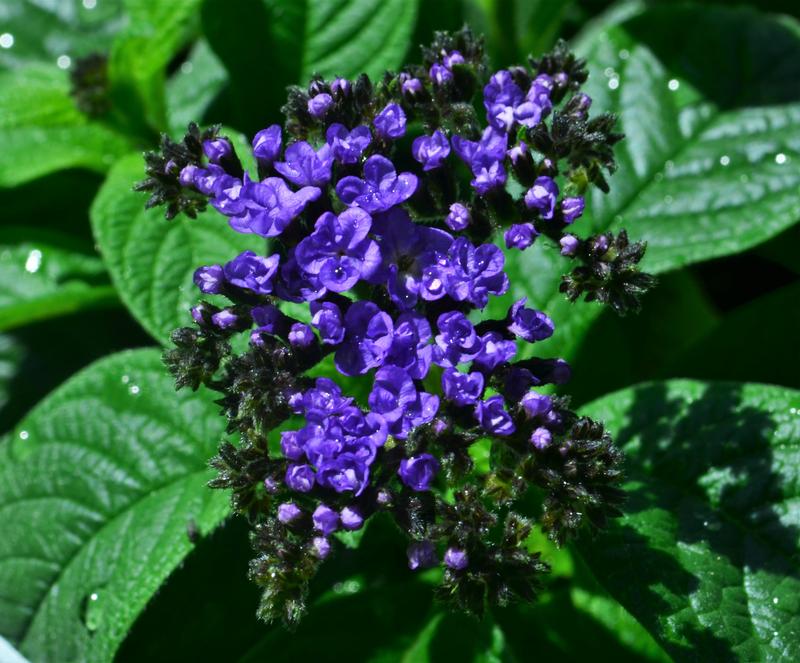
705 556
101 486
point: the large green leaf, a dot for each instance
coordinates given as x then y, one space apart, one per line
709 102
294 39
98 485
152 260
155 32
706 553
43 275
41 129
44 31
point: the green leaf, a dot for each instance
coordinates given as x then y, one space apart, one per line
193 88
705 556
44 274
44 31
156 31
709 102
98 485
152 260
297 38
41 129
350 37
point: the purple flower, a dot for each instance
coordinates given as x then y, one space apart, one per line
490 148
572 208
225 319
252 272
453 58
291 446
457 341
319 104
458 218
411 87
270 319
537 102
339 252
288 512
493 418
475 273
418 472
520 236
217 149
501 96
327 320
381 188
297 285
344 473
390 123
351 518
421 555
326 520
496 350
368 337
340 88
348 146
410 349
209 279
412 258
188 175
306 167
264 208
542 196
462 388
536 405
440 74
569 245
325 399
395 397
517 382
300 478
431 151
456 559
300 335
322 547
528 323
267 144
541 438
489 176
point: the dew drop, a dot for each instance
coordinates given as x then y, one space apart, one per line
705 523
33 261
793 410
658 177
744 178
780 158
668 200
674 84
613 83
774 634
126 379
624 54
669 165
724 160
64 61
186 68
609 72
24 435
775 600
134 390
93 611
6 40
89 4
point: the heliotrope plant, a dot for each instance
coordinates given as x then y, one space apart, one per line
381 204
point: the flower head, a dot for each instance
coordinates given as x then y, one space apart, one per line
381 189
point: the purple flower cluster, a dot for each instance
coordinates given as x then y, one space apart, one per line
388 295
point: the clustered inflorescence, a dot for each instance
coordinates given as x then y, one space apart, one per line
380 203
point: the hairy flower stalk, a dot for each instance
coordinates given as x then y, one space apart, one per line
381 204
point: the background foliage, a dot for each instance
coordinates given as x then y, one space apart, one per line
113 547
